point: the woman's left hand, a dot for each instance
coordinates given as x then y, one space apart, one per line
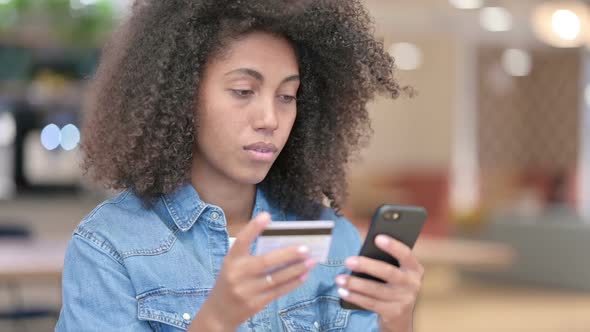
393 300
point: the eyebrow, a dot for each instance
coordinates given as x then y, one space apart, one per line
258 76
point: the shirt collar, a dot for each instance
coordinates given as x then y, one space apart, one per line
262 204
185 206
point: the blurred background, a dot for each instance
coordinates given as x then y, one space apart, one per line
496 146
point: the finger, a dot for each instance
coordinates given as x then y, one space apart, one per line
278 258
371 288
276 292
247 235
285 275
399 251
362 301
389 273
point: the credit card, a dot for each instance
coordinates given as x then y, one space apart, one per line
316 235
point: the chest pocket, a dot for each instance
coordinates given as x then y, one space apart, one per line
169 310
320 314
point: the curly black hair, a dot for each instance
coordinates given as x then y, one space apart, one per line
140 125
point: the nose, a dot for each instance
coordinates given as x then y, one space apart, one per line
266 118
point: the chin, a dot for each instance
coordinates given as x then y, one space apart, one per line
252 177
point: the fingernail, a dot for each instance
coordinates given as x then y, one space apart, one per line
303 249
351 262
382 240
343 292
310 263
304 276
263 218
340 281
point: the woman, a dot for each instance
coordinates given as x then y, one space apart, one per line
214 117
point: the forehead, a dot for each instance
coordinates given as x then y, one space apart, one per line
268 53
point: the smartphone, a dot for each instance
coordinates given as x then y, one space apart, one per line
403 223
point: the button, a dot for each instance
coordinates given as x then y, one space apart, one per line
214 215
317 325
186 316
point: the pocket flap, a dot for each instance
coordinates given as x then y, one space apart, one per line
323 313
172 307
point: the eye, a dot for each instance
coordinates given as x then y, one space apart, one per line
287 99
242 93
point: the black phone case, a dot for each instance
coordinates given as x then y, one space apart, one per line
406 228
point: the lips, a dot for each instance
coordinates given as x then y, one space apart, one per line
262 147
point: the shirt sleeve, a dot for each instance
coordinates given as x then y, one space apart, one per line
97 292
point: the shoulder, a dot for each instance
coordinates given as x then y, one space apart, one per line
343 228
346 239
122 225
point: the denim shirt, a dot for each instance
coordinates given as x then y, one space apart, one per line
128 268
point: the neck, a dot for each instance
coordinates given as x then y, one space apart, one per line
235 199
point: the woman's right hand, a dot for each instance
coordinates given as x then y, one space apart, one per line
244 287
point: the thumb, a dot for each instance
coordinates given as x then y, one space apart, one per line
247 235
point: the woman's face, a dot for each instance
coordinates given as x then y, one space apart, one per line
246 108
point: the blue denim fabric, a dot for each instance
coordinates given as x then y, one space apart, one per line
128 268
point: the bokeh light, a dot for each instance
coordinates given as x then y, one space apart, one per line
70 137
50 137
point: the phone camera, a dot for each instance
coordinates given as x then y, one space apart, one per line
391 216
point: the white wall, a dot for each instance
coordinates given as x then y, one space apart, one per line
416 132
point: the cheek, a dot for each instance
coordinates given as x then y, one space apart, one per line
217 120
215 108
287 125
216 130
